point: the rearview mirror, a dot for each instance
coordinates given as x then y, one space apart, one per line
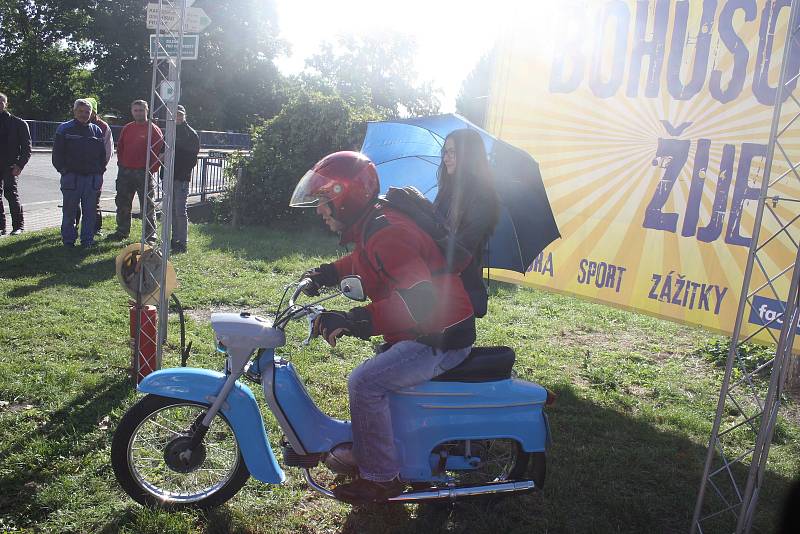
351 288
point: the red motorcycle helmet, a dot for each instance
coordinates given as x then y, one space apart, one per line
348 180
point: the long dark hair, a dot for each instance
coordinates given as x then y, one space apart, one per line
471 185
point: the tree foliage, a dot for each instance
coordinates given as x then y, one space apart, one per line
41 46
123 68
231 85
375 71
473 97
309 126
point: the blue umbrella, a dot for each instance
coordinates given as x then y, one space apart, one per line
407 152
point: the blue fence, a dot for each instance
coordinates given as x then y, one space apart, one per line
43 132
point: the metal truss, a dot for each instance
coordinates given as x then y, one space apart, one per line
751 391
155 242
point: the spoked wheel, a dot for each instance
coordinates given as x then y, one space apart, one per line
152 463
499 460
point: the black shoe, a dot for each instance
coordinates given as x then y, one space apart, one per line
178 249
116 236
16 231
362 491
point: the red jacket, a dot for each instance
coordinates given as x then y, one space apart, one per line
405 275
132 146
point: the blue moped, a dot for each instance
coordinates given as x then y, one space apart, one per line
197 435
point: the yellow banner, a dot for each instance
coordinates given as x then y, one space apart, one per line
650 122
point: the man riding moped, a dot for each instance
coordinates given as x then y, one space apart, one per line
417 305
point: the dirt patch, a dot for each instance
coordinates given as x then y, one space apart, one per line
595 340
8 406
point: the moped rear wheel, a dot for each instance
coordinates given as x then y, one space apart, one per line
500 460
146 456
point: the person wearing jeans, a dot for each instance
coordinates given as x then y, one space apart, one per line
79 155
187 146
108 142
180 217
417 305
406 363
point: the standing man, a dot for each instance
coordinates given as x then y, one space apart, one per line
108 142
187 146
79 155
15 151
132 177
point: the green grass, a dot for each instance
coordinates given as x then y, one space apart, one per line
636 396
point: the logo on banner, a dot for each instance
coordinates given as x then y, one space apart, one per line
768 312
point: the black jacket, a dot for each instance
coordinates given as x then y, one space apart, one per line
472 234
187 146
16 148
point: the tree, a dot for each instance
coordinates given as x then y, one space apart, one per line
473 97
231 85
308 127
41 46
123 68
375 71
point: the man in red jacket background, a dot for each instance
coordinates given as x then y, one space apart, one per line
132 177
417 304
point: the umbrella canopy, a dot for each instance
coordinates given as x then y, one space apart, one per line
407 152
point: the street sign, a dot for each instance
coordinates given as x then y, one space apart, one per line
191 44
196 19
167 91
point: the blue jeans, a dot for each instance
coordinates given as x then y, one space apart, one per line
79 190
405 364
180 221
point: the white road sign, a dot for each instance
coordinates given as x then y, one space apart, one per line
195 21
167 91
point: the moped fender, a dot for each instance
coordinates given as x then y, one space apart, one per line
240 409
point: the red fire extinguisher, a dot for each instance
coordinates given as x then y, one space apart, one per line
145 361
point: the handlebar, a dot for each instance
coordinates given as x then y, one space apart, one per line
300 287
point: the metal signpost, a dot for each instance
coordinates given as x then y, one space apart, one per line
170 21
747 410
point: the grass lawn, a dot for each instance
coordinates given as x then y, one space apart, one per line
636 396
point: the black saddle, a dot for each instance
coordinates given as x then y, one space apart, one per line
484 364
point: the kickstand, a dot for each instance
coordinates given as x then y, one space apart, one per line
185 354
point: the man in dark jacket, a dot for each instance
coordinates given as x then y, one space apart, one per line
79 155
187 146
15 151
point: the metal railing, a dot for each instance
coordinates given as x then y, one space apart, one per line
43 132
208 176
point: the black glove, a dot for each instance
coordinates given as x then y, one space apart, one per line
332 325
322 276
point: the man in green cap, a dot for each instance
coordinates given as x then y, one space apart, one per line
108 141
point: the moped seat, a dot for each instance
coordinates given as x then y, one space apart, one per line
484 364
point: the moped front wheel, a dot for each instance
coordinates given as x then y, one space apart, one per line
149 454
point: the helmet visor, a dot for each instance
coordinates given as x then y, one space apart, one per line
312 190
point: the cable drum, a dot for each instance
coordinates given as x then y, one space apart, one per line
128 264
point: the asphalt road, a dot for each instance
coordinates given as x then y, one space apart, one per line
40 193
39 182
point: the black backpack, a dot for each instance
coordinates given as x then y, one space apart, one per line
412 203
